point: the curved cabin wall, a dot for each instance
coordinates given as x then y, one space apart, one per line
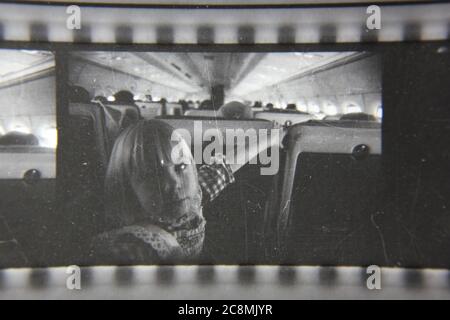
357 82
101 81
29 106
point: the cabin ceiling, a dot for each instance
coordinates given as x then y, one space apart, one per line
241 73
19 64
276 68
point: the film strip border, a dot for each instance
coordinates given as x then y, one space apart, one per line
119 25
220 282
399 23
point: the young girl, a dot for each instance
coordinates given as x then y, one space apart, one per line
155 196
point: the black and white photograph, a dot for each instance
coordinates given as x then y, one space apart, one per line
28 141
209 150
222 157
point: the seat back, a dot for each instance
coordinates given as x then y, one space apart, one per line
11 254
204 113
284 118
201 124
174 109
149 110
331 193
117 118
88 131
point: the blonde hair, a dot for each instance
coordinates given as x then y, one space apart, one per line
137 155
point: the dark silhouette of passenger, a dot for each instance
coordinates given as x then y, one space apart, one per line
78 94
269 106
101 99
291 107
184 105
258 105
206 105
124 97
358 116
163 103
236 110
15 138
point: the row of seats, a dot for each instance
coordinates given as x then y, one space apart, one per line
151 110
105 121
329 195
236 110
326 181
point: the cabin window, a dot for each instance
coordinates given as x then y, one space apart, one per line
313 107
28 133
379 112
353 108
27 100
301 106
330 108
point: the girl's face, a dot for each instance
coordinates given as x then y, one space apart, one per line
173 197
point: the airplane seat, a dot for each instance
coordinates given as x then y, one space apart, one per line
86 161
88 155
14 138
117 118
190 123
174 109
236 110
358 116
149 110
87 124
330 197
203 113
131 116
78 94
284 118
11 254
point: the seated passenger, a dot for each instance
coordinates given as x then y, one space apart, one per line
155 197
291 107
358 116
236 110
257 105
184 105
15 138
78 94
124 97
100 99
206 105
269 106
